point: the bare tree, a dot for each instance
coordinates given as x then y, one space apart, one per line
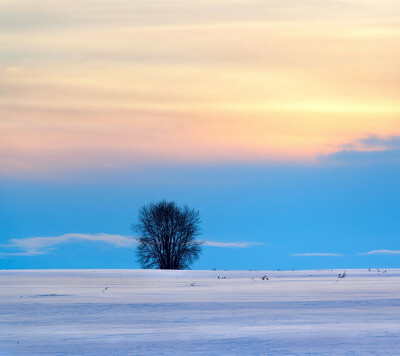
167 236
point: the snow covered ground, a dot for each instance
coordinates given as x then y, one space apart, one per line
151 312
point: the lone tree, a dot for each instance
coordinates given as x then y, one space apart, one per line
167 236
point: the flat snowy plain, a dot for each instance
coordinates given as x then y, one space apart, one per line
152 312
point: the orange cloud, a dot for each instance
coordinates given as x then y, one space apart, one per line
126 85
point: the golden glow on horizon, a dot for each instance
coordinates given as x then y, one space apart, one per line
105 84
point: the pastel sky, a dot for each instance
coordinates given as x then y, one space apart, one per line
278 120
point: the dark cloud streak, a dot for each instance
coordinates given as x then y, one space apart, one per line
370 150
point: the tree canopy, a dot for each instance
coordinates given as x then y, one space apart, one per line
167 236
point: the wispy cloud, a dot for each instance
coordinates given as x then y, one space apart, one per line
381 252
241 244
317 254
41 245
376 142
31 246
372 149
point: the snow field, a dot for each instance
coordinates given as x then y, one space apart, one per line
152 312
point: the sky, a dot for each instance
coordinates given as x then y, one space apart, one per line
278 120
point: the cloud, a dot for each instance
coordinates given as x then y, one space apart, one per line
369 150
13 69
365 157
32 246
377 142
41 245
381 252
317 254
241 244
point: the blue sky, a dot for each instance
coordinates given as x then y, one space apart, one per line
283 217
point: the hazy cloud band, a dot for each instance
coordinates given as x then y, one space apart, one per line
31 246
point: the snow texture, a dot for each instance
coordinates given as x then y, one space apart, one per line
152 312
